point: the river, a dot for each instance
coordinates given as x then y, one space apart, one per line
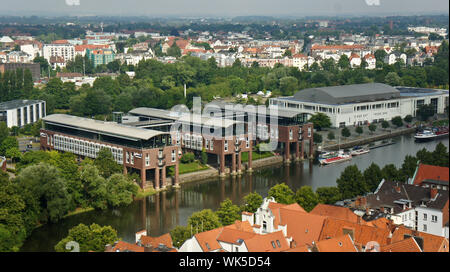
162 212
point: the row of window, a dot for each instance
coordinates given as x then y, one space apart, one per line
83 148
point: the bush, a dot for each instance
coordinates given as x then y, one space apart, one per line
385 124
317 138
359 130
397 121
331 136
408 119
188 157
346 132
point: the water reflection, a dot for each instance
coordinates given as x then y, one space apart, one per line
160 213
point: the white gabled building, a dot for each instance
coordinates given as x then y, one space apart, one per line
362 103
18 113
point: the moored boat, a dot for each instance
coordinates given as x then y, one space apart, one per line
359 150
429 134
335 157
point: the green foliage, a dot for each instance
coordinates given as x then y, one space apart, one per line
384 124
346 132
359 130
4 131
373 177
397 121
425 112
203 221
306 198
106 164
90 238
45 192
320 121
204 157
351 182
187 157
408 118
8 143
390 172
179 235
282 194
228 213
317 138
331 136
328 195
372 127
252 202
120 190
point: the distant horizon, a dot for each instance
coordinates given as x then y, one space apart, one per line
228 9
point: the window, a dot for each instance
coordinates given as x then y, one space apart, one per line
174 158
424 217
226 145
434 218
147 160
424 227
273 244
278 243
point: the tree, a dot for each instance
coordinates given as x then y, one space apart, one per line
351 182
385 124
13 153
372 177
203 221
346 132
359 130
331 136
93 187
174 51
409 167
179 235
306 198
317 138
320 120
204 157
372 128
390 172
397 121
4 131
8 143
252 202
288 85
44 191
282 194
120 190
393 79
106 164
424 112
328 195
187 157
425 157
440 155
408 118
228 213
344 62
89 238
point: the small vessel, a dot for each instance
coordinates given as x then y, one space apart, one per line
359 150
334 157
429 134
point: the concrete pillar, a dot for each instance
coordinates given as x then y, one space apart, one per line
177 175
157 178
297 151
250 158
222 164
233 164
302 152
287 152
311 148
163 177
143 178
239 163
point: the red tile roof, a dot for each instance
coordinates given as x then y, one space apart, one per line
431 243
407 245
339 244
431 172
165 239
272 242
122 246
336 212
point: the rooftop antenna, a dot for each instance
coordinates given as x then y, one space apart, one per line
101 25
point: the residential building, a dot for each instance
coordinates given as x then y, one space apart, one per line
18 113
100 56
59 53
35 68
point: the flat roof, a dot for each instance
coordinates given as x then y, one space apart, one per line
107 128
281 112
14 104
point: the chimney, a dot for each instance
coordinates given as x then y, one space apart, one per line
398 189
434 193
148 248
108 248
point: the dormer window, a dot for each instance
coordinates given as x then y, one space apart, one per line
273 244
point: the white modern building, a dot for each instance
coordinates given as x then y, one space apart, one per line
21 112
363 103
65 51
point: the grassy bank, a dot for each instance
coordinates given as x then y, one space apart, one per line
191 167
256 156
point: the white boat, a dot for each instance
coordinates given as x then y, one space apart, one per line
335 157
358 150
428 134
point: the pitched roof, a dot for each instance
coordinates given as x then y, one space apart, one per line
234 236
165 239
431 243
298 249
272 242
407 245
362 234
336 47
339 244
336 212
208 239
122 246
431 172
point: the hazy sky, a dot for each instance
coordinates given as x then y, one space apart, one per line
221 7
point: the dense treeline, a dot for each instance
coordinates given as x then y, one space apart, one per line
49 185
